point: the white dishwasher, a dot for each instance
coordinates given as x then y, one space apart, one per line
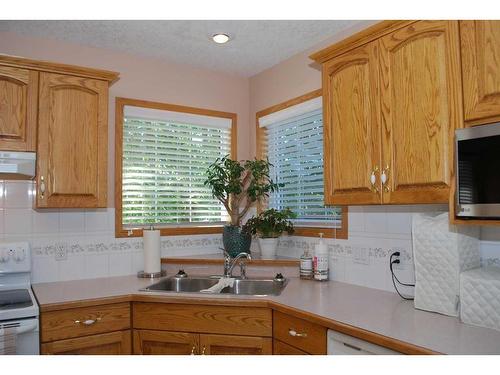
340 344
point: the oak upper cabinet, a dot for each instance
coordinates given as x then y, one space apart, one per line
420 108
392 100
165 343
480 46
351 127
18 109
72 141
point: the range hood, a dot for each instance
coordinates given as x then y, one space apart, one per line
17 165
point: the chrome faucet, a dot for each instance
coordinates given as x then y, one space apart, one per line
230 263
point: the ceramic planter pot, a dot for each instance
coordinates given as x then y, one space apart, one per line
268 247
235 241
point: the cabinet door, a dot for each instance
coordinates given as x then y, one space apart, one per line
164 342
421 107
18 109
72 142
235 345
351 127
280 348
107 343
480 44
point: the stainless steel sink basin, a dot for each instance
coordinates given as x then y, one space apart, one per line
256 287
183 285
250 286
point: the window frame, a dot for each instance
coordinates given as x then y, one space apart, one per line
340 233
120 104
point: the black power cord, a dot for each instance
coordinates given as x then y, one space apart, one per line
395 278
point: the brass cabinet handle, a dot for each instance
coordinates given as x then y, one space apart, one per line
373 179
42 187
384 177
203 351
294 333
193 350
87 322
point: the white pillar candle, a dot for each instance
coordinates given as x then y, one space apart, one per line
151 242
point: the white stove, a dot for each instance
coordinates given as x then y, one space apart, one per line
18 306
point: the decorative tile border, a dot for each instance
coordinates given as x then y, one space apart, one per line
61 248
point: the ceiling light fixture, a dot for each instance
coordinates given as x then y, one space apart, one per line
220 38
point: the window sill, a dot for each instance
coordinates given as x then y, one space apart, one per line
341 233
124 233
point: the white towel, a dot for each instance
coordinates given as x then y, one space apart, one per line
8 340
223 282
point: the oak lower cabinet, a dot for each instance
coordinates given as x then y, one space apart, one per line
480 47
164 328
235 345
179 343
165 342
391 105
294 335
281 348
113 343
102 329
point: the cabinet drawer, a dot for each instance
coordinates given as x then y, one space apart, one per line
203 319
280 348
299 333
113 343
64 324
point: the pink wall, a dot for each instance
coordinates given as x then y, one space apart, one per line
291 78
148 79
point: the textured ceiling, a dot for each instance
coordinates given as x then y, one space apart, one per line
255 45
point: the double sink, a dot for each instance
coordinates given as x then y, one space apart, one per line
246 286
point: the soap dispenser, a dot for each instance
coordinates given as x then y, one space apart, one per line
320 260
306 266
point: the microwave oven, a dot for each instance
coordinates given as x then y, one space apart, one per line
477 156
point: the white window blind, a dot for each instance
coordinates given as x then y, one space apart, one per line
294 146
164 164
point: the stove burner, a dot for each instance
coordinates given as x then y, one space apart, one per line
15 299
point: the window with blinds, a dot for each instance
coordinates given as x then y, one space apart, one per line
165 156
293 142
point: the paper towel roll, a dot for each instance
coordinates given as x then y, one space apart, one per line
151 241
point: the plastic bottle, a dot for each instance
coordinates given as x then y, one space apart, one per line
306 266
320 260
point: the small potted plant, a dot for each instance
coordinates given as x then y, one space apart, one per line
238 185
268 226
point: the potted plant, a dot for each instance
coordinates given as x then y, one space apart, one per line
238 185
268 226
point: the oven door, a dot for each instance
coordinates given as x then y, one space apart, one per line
478 171
19 336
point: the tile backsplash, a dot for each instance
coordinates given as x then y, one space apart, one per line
78 244
375 232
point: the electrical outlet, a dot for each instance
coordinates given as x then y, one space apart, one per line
403 259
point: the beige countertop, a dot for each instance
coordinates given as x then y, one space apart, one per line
332 304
